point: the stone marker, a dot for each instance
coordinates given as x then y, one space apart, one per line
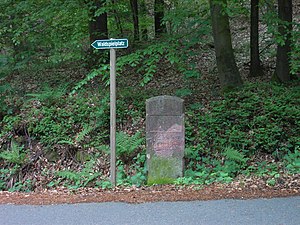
165 139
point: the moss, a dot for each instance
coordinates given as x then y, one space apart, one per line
164 170
82 156
160 181
51 156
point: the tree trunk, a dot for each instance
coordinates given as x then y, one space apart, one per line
159 27
144 32
227 68
135 17
97 30
98 24
285 11
255 66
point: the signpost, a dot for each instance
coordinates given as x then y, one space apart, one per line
112 44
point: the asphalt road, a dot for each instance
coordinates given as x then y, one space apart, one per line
278 211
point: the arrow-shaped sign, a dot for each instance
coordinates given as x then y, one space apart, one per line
111 43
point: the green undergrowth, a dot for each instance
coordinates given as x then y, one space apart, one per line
251 132
60 126
259 121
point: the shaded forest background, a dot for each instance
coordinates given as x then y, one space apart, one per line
236 64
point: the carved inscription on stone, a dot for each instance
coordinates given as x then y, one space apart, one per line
166 143
165 138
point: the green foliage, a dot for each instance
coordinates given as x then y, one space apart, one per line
4 107
187 19
5 174
104 184
25 186
131 105
49 95
234 155
259 119
77 179
264 168
12 160
139 170
292 162
136 174
183 92
103 70
11 180
63 125
209 171
51 33
237 8
70 121
7 127
126 145
145 61
15 154
5 91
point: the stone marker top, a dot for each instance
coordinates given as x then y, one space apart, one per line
164 106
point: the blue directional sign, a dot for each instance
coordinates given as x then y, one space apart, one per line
110 43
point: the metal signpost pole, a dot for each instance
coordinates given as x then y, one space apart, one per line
113 116
112 44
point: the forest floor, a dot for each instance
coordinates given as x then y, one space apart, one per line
242 188
135 195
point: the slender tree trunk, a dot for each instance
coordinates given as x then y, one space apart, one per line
285 12
98 24
227 68
97 30
135 18
159 27
143 27
255 66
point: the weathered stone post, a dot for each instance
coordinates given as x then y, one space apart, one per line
165 138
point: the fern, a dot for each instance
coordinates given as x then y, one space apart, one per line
234 155
85 131
103 70
49 95
68 142
126 144
77 179
69 175
15 154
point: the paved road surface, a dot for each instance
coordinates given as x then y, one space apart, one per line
279 211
